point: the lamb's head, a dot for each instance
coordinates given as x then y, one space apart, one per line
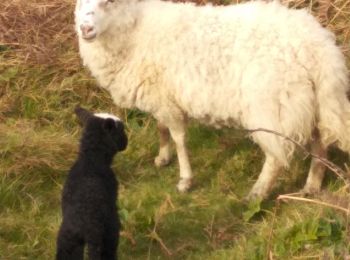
94 17
108 128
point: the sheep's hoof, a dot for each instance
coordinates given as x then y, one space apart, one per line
160 161
184 185
309 190
254 196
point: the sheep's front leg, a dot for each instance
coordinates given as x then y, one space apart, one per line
164 155
266 179
178 135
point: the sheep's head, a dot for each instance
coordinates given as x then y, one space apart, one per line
93 17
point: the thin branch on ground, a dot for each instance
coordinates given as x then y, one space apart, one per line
344 176
163 209
288 197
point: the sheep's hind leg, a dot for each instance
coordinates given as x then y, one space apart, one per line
267 177
178 135
164 155
317 169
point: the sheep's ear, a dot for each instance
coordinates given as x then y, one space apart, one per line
82 114
109 124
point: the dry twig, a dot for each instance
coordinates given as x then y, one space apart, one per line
330 165
289 197
163 209
323 9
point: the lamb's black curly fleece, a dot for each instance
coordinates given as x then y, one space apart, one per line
90 192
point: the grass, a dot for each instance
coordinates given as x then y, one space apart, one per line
39 135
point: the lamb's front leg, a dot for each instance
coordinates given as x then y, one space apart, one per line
178 134
164 155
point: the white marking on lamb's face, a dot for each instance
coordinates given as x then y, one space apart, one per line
106 116
92 17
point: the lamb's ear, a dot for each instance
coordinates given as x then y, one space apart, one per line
82 114
123 139
109 124
123 142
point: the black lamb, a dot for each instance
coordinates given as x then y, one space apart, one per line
90 193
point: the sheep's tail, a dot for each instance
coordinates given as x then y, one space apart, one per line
332 85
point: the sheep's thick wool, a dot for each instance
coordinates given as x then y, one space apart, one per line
254 65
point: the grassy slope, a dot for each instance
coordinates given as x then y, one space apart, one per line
38 143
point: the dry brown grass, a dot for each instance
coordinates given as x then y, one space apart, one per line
37 31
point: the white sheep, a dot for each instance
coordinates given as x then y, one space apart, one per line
254 65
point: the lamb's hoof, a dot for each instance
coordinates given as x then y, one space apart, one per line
161 161
184 185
